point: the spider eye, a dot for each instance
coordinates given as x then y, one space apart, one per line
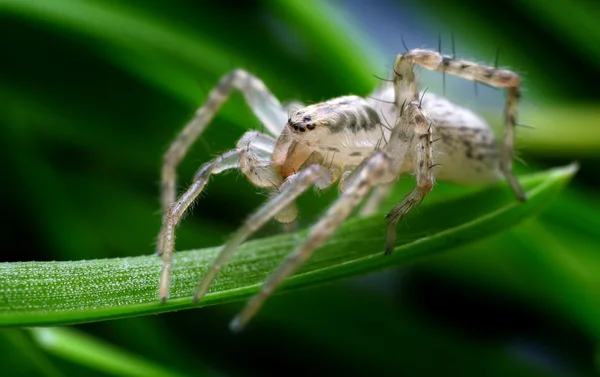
310 126
307 118
289 120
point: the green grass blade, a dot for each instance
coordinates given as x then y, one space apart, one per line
580 28
85 350
333 34
125 27
175 58
43 293
22 347
558 130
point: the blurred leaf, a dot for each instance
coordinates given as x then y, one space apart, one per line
170 55
315 20
580 27
72 292
559 130
23 357
84 349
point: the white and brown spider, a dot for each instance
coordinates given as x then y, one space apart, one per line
345 139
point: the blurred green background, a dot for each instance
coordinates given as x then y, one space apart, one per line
92 92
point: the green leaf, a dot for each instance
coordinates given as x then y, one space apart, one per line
580 27
314 21
24 355
43 293
561 130
173 56
93 353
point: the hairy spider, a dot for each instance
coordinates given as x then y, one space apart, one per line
345 139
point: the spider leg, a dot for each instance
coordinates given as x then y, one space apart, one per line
360 182
413 129
499 78
251 156
264 105
255 159
405 91
405 83
293 187
510 123
378 195
166 237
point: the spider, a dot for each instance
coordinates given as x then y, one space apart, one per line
345 139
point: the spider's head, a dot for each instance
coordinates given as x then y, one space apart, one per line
306 129
342 114
309 125
302 121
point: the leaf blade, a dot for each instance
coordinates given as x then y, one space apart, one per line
44 293
93 353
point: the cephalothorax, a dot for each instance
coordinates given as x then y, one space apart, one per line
362 143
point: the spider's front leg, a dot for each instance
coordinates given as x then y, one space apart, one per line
357 185
405 91
498 78
252 157
413 129
166 237
294 186
264 105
